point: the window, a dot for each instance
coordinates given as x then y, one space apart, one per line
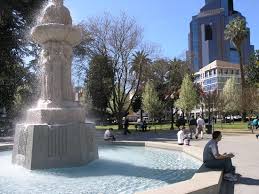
226 71
208 32
237 72
214 71
210 72
232 71
220 71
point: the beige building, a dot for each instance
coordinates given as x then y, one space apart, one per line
214 75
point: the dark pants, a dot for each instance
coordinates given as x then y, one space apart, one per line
126 131
224 164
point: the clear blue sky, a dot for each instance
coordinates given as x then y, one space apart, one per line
165 22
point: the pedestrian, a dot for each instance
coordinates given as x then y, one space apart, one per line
126 126
199 129
192 126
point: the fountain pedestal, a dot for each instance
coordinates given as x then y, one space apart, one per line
53 146
54 133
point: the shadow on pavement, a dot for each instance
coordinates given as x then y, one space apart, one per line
227 187
248 181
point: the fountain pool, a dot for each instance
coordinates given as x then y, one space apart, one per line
120 169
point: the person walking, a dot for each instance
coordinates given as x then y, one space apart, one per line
126 126
192 126
199 129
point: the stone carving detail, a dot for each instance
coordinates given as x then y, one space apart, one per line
56 13
57 139
56 83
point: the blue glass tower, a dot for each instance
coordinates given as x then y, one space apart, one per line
206 38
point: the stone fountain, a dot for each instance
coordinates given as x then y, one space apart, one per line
54 133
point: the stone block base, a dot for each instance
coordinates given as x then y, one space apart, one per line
54 146
55 115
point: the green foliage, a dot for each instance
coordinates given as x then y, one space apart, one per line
188 95
160 69
16 17
136 103
99 82
141 66
151 102
253 69
236 31
231 96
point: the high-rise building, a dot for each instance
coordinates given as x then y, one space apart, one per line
206 38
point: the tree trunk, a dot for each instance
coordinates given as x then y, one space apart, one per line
209 106
242 83
202 113
141 115
120 122
172 119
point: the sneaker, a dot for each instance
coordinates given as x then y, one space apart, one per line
230 177
256 136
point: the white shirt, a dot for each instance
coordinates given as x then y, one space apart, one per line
180 136
107 134
200 122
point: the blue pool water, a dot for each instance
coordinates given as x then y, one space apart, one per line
120 169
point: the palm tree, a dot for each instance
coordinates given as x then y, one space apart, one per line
236 31
140 65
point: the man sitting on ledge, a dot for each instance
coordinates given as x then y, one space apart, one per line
212 158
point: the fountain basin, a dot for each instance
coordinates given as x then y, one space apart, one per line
56 32
120 169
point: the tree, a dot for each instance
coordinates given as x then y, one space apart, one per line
16 17
236 31
210 99
151 101
252 70
231 96
177 70
141 66
118 38
188 96
99 82
252 99
167 78
137 103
